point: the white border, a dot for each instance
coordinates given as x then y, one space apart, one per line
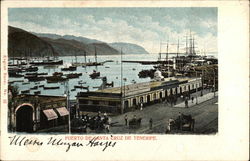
231 143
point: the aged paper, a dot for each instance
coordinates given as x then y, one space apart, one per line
229 142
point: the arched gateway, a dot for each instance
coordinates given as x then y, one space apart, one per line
24 118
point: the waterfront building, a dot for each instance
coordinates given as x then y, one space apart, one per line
122 99
30 113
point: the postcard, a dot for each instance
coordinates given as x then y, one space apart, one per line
124 80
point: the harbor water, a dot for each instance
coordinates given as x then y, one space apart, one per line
112 70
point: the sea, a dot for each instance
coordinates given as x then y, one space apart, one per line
111 70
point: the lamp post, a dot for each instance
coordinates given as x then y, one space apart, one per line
67 104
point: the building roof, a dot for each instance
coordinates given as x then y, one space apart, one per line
144 85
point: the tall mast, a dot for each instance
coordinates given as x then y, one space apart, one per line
193 46
186 44
122 104
95 55
85 56
76 58
178 48
167 51
160 51
190 43
167 58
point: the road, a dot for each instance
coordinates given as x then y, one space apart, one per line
205 115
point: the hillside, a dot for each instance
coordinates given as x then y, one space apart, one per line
68 37
73 47
129 48
22 43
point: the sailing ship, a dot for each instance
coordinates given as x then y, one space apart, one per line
47 61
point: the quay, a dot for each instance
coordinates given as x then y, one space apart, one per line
148 62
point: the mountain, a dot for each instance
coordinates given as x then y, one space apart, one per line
128 48
68 37
22 43
73 47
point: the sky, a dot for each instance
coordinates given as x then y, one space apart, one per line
146 27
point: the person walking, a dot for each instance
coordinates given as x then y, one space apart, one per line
126 120
186 103
150 123
141 106
180 118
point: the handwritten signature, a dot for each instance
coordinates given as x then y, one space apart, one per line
24 141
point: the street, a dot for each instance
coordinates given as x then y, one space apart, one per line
205 114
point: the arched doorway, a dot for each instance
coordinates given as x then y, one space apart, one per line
24 119
141 100
134 102
148 99
126 106
160 95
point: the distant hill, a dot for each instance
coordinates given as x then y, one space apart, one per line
128 48
22 43
73 47
68 37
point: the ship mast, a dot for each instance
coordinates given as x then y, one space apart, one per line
178 48
95 55
122 103
160 51
190 43
85 58
167 58
193 46
186 44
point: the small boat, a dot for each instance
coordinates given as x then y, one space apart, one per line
81 82
47 62
46 88
106 61
25 91
71 68
35 79
107 67
94 64
14 74
41 86
35 87
31 69
36 73
55 79
110 84
133 69
37 92
95 74
81 87
58 74
16 81
73 75
73 89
